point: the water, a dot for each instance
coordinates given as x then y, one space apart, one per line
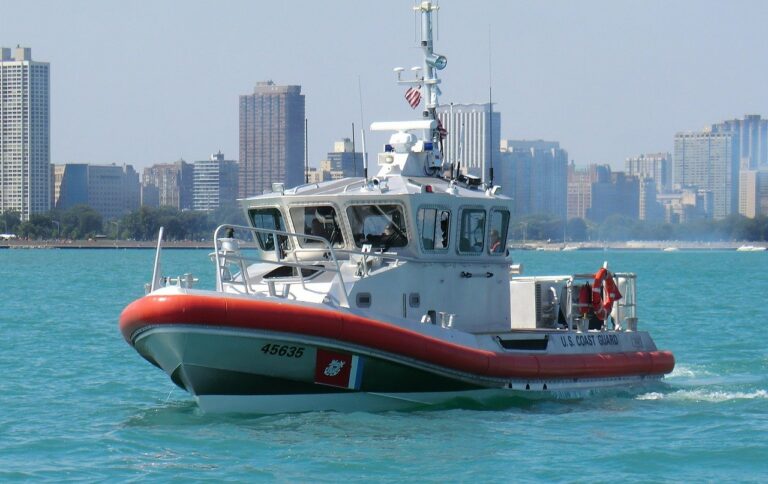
77 403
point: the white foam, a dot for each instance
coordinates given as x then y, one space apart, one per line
704 396
682 371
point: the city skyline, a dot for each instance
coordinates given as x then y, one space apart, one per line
603 100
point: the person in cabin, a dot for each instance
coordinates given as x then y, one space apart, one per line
496 246
392 237
317 228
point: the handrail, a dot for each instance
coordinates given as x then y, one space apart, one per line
625 308
156 268
279 256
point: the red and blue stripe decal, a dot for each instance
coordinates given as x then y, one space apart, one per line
340 370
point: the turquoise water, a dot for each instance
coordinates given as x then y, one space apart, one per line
77 403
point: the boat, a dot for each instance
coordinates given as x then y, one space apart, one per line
670 249
750 248
387 292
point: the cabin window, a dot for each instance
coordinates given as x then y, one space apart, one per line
472 233
320 221
382 226
270 219
497 232
363 299
434 227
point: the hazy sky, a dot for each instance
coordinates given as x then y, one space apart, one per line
145 82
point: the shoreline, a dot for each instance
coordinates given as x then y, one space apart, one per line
536 246
102 244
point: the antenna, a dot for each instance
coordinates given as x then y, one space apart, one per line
362 130
490 107
450 123
354 153
306 152
365 157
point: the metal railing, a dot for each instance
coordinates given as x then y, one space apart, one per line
624 310
285 252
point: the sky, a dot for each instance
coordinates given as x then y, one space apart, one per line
146 82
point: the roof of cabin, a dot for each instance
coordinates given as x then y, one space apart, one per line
388 186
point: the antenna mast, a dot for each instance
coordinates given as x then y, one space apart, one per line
306 152
432 62
490 110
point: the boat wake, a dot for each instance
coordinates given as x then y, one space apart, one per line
703 395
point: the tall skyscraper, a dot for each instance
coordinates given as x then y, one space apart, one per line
25 153
535 175
215 183
271 138
707 160
473 137
751 140
657 166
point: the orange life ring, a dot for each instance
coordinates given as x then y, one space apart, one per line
604 294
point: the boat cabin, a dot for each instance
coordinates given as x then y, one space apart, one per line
403 209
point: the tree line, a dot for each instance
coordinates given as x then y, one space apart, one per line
621 228
82 222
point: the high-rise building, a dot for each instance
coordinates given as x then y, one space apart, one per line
173 182
753 193
616 194
649 207
751 140
580 182
70 185
535 175
474 132
215 183
25 153
271 138
113 190
657 166
345 159
707 160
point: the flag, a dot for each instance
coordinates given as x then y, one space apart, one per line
413 96
440 130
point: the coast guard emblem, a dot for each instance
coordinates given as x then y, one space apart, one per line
340 370
333 368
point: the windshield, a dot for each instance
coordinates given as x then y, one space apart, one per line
271 219
434 225
472 235
497 236
321 221
382 226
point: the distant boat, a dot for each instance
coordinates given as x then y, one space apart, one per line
670 249
750 248
571 247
